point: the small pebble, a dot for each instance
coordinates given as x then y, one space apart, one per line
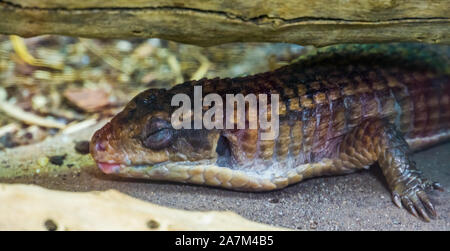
50 225
152 224
82 147
57 160
274 200
396 222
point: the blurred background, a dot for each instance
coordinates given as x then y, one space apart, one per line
49 84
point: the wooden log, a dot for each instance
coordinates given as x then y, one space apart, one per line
29 207
211 22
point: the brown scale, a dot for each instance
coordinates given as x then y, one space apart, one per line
283 141
208 86
335 113
403 99
246 141
221 85
323 112
243 141
445 102
433 104
384 97
266 147
243 144
419 88
367 98
289 93
420 111
309 120
301 90
296 135
235 146
337 121
322 115
295 126
249 143
352 104
434 113
236 85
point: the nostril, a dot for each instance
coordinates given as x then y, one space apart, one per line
100 138
100 146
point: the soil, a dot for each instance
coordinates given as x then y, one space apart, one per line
358 201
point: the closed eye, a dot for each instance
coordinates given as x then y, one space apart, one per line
157 134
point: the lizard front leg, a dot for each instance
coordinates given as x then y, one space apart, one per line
376 140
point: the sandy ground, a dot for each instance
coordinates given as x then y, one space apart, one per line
358 201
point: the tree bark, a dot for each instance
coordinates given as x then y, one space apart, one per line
211 22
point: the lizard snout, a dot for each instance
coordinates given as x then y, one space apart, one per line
102 152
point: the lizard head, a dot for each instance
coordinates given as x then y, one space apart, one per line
141 142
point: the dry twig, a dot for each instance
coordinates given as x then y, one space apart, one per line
27 117
21 49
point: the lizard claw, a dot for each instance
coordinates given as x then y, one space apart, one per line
437 186
415 200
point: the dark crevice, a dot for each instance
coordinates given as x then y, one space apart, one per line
223 152
153 224
50 225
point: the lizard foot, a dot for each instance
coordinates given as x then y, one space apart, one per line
411 194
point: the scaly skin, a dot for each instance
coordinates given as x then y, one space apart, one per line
341 109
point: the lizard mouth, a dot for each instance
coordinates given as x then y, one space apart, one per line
218 171
109 168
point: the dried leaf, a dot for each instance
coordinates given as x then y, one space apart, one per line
90 100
